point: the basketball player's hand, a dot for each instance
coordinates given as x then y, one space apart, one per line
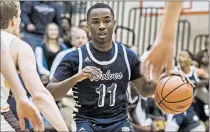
88 72
31 27
179 73
160 56
26 109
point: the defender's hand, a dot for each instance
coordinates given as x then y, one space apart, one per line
26 109
88 72
160 56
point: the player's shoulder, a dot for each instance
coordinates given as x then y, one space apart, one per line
71 55
21 45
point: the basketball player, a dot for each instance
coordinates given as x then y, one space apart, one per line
24 106
189 120
24 61
98 74
164 43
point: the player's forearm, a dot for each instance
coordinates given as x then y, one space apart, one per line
145 88
43 99
170 20
59 89
148 89
46 104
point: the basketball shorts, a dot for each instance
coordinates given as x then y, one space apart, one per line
82 125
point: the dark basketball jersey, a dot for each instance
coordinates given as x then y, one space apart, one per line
103 97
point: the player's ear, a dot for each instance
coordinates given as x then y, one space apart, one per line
13 21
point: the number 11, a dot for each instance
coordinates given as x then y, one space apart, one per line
102 91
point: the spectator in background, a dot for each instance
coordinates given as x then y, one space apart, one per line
203 58
83 25
66 104
46 52
202 107
66 25
35 16
65 8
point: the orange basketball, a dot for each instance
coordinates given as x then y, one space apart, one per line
173 95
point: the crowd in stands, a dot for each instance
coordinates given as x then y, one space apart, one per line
47 28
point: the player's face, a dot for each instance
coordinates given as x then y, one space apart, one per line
101 24
184 59
52 31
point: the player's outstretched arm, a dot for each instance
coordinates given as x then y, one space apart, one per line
164 43
41 96
59 89
25 109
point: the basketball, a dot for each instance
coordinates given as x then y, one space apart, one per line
173 95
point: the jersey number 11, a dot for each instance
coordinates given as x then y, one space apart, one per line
102 92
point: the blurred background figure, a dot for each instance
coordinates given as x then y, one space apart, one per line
47 51
35 17
79 38
66 25
203 58
83 25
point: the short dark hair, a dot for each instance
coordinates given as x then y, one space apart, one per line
99 5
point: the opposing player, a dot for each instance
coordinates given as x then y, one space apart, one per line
24 106
98 74
24 60
164 43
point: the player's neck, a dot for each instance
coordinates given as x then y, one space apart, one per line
8 30
102 46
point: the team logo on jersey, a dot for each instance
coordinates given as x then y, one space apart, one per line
87 59
82 129
107 76
125 129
